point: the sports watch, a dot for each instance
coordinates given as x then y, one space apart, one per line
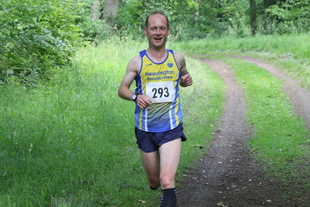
134 97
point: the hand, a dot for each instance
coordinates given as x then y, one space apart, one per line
186 80
143 101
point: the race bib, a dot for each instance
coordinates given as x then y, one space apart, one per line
161 91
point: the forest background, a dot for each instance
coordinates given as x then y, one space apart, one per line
38 38
66 137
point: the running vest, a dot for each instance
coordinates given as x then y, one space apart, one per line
160 82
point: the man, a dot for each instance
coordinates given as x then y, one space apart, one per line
158 116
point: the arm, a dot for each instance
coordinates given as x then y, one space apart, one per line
186 78
130 74
124 89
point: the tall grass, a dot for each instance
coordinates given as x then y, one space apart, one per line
71 143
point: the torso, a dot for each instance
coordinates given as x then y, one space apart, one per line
159 81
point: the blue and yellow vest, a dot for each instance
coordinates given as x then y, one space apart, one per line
160 82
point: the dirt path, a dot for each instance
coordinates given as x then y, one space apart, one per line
228 175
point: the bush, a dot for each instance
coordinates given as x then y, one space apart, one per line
36 36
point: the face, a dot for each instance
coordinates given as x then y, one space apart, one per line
157 31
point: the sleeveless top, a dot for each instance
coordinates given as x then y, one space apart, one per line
160 82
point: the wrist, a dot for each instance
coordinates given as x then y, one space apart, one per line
134 97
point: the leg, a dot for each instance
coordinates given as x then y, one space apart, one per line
151 166
169 161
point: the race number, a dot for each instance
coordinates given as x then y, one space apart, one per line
161 91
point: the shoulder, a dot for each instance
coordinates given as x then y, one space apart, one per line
180 59
134 64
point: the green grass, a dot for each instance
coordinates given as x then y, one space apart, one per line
281 139
291 53
280 136
71 143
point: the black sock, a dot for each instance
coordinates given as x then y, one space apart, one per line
169 198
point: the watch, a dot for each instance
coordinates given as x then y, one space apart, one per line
134 97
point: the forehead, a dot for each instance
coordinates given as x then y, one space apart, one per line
157 20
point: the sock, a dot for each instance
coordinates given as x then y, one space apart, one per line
169 198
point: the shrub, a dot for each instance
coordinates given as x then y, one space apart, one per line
36 37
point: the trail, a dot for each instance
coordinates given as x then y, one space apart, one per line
228 175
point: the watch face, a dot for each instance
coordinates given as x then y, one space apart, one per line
134 96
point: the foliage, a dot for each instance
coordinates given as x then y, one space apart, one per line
197 19
92 29
283 17
36 36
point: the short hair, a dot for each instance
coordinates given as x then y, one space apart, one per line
156 12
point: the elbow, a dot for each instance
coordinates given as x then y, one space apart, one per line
119 93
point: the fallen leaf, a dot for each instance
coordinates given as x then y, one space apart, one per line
142 201
200 146
221 204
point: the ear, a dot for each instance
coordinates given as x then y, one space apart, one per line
145 30
168 33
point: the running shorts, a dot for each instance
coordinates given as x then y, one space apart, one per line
151 141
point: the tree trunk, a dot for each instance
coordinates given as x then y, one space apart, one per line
95 9
110 10
253 17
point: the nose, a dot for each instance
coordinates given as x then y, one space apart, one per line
157 32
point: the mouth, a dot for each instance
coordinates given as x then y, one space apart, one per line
158 39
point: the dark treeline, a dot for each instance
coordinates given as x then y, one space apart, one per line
39 37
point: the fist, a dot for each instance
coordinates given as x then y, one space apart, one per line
186 80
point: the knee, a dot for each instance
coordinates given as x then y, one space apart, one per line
167 182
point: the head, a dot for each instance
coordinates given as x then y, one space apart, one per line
156 12
157 29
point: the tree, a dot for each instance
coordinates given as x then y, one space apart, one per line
95 9
253 17
110 10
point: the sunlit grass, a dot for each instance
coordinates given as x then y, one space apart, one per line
71 142
280 136
289 52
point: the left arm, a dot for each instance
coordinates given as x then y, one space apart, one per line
186 78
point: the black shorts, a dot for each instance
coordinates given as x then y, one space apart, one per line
151 141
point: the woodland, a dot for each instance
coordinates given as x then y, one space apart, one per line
67 139
38 38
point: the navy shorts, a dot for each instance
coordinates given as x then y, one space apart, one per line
151 141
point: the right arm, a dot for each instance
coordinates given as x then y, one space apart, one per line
124 89
131 72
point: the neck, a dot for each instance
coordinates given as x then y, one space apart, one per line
157 55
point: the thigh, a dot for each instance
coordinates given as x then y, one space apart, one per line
170 157
151 163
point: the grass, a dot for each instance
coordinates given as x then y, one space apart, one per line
279 135
291 53
280 139
71 142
